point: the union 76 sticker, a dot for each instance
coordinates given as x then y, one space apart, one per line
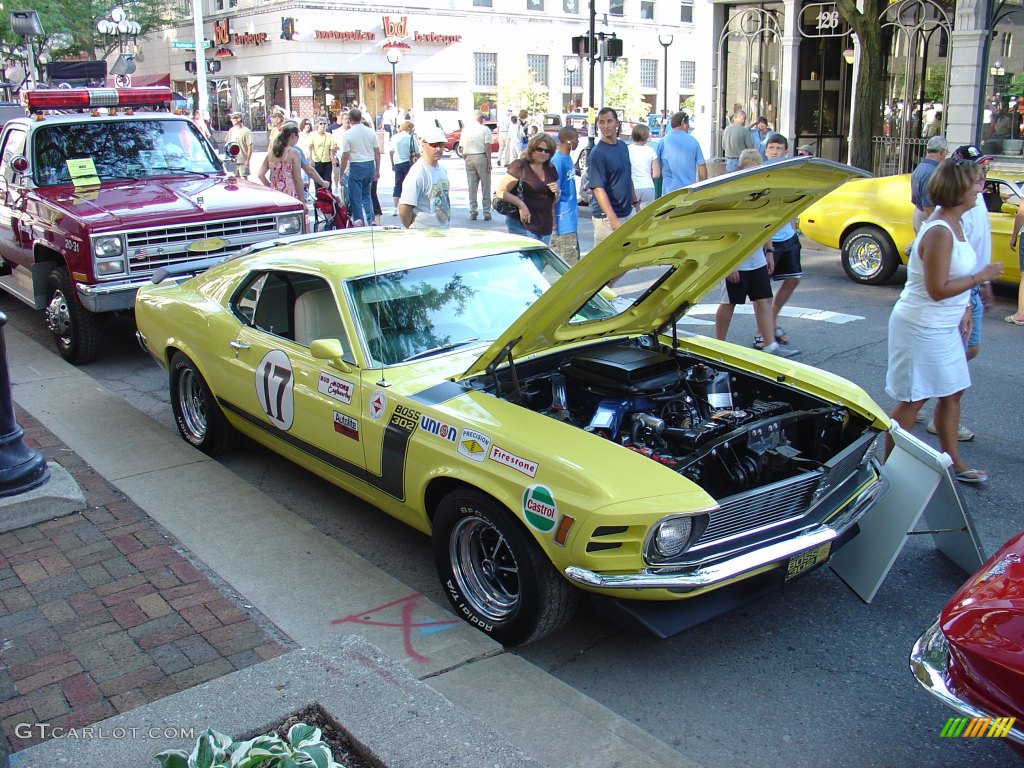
274 385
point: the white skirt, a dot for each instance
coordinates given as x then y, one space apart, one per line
924 362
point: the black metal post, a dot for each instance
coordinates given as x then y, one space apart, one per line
21 469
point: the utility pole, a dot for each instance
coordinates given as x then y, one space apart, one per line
202 92
591 40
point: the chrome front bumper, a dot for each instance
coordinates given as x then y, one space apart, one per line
928 663
727 570
108 297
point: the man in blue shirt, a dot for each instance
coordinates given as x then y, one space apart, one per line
680 155
936 152
611 181
565 241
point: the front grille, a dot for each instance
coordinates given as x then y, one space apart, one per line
765 506
782 502
154 248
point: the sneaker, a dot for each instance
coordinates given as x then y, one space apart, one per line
394 211
963 434
472 216
787 353
487 217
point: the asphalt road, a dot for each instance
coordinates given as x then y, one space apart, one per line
809 676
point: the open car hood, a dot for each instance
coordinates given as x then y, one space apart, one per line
692 238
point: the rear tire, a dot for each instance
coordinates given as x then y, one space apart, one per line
200 421
75 329
457 149
495 575
869 256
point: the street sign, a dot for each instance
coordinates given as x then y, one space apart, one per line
189 44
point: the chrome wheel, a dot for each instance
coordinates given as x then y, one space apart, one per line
865 257
869 256
485 568
58 317
192 404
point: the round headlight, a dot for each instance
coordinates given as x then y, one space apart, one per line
672 536
106 247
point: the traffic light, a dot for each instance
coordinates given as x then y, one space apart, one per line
613 48
190 66
213 66
581 45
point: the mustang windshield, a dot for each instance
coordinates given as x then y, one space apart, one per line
128 149
431 310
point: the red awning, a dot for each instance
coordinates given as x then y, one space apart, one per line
141 80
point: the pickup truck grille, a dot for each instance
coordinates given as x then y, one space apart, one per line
151 249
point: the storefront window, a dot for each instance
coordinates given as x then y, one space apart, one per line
440 104
1002 119
751 51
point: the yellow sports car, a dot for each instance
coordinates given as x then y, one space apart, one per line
870 221
550 436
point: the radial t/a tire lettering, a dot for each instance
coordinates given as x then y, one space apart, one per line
200 420
495 575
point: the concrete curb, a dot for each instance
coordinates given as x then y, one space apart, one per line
398 720
57 497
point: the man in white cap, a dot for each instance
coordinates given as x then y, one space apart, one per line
241 136
425 201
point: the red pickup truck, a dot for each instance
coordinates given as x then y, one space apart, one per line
96 198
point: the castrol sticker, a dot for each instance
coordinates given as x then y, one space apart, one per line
518 463
332 386
539 508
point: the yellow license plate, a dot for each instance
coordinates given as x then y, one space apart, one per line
807 560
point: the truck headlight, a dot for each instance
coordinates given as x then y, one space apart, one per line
290 224
107 246
111 267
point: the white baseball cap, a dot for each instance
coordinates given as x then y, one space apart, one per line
432 135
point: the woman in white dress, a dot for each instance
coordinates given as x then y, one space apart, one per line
931 321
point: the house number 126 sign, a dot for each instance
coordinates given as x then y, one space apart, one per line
823 20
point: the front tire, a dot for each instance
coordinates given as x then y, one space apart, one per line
75 329
495 575
869 256
200 421
457 149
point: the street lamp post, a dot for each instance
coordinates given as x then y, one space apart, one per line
665 37
394 56
28 25
121 28
571 66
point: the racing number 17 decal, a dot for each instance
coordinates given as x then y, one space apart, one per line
274 388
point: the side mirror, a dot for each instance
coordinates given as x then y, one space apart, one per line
1008 208
332 351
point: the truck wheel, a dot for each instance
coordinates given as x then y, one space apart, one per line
869 256
75 329
200 420
495 575
457 149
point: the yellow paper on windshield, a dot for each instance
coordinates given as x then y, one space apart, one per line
83 172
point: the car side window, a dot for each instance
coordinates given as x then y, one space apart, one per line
294 306
14 145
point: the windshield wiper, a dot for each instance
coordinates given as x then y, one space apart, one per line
442 348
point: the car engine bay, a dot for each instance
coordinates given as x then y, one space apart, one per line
724 429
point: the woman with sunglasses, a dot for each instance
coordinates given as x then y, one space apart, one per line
535 210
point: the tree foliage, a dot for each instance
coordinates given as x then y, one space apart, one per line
623 94
70 28
521 90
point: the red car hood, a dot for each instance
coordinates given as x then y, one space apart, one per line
984 626
165 201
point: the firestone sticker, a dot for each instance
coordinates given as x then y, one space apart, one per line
378 404
332 386
539 508
474 445
439 429
346 425
518 463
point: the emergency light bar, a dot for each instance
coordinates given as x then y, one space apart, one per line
91 98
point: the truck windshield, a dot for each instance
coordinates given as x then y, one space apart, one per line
121 149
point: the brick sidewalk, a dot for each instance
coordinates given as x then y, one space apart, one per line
100 612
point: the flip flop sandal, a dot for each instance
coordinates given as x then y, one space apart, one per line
974 476
759 342
781 337
1014 320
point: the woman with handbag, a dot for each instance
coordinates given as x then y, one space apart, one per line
404 151
529 209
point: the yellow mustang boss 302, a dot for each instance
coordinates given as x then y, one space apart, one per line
550 435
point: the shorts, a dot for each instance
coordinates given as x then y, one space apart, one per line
602 228
977 313
754 283
787 259
567 247
1020 253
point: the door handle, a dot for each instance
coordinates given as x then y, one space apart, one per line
238 346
